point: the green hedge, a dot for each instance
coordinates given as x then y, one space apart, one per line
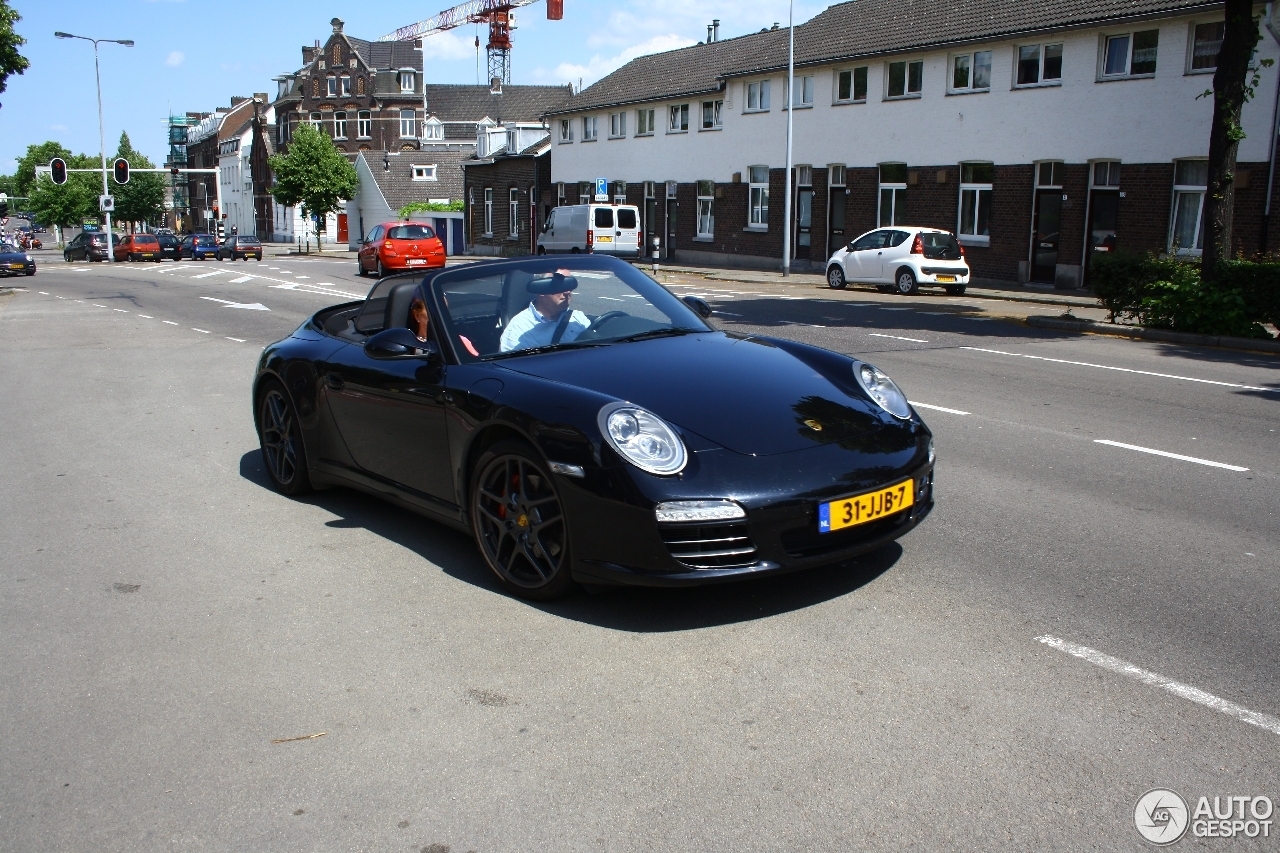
1167 293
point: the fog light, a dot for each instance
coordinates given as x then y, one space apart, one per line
669 511
924 487
932 455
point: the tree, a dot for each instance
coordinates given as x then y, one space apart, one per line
142 199
11 62
314 174
37 155
1232 87
69 204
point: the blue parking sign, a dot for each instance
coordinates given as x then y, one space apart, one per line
602 189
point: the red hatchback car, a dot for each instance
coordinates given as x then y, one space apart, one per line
396 246
138 247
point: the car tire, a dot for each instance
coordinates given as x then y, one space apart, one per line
542 250
835 278
955 290
518 522
66 257
905 282
131 258
360 268
382 271
574 251
280 437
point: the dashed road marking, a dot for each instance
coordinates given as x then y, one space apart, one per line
939 409
897 338
95 305
121 310
1120 369
1166 453
169 322
201 331
146 316
1155 679
42 293
241 280
207 274
237 340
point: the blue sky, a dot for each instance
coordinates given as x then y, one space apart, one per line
195 56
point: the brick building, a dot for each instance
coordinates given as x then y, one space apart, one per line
508 198
1040 133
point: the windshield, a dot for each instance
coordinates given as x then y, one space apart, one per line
939 245
509 309
205 241
410 232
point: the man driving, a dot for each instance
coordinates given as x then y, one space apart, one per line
548 319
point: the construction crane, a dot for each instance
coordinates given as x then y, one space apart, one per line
495 13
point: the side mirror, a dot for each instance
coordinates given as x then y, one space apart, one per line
849 248
701 308
399 341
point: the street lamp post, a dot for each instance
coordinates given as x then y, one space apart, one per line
791 111
102 138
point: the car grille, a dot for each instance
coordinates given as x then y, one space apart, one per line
710 546
808 542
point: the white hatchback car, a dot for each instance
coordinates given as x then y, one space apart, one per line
901 258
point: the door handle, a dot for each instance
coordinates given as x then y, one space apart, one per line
334 381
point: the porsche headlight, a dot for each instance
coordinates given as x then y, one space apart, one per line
642 438
883 390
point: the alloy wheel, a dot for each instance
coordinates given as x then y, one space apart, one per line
519 522
835 278
279 437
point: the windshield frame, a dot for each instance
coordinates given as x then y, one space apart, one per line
682 317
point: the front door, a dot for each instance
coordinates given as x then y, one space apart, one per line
672 208
1104 208
1044 236
650 225
391 415
837 239
342 228
804 224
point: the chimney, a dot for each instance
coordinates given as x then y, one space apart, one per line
336 23
715 29
775 25
708 34
261 96
237 101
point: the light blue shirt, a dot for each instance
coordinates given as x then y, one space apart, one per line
529 329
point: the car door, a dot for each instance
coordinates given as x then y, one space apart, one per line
862 263
368 249
390 412
896 247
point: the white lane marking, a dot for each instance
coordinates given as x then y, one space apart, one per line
303 289
42 293
610 298
1155 679
241 280
207 274
939 409
897 338
96 305
169 322
323 283
121 310
62 297
1122 369
201 331
1208 462
227 303
146 316
979 319
304 276
237 340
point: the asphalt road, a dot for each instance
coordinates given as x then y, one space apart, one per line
165 617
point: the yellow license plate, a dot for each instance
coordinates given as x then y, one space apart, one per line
17 266
604 239
946 278
147 255
860 509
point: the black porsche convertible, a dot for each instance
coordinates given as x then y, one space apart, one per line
586 425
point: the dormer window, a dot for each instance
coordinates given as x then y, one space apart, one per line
511 142
433 129
424 173
406 82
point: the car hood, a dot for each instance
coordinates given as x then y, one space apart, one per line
746 394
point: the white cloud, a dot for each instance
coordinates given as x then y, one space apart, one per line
598 66
448 46
175 58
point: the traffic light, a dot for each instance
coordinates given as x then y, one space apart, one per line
4 207
122 170
175 170
58 170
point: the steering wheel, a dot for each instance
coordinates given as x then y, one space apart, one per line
599 322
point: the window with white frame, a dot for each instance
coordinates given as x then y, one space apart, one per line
618 191
644 123
586 191
1049 173
340 125
758 197
333 87
345 86
408 124
488 211
1039 65
513 212
893 195
1106 173
512 141
433 128
804 176
1130 54
851 85
904 79
617 125
758 96
364 124
566 130
971 72
678 118
1190 182
835 175
406 82
711 114
589 125
425 173
975 201
706 214
1206 41
803 95
317 121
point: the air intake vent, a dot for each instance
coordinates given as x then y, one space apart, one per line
710 546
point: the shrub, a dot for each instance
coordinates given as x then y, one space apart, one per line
428 207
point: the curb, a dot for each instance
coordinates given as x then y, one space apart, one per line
1145 334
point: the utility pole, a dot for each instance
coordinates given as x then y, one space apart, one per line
791 80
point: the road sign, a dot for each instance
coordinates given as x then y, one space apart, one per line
602 189
106 203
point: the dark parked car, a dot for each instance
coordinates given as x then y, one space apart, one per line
89 246
14 261
170 247
237 247
627 442
198 247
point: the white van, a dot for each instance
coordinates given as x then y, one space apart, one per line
606 229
